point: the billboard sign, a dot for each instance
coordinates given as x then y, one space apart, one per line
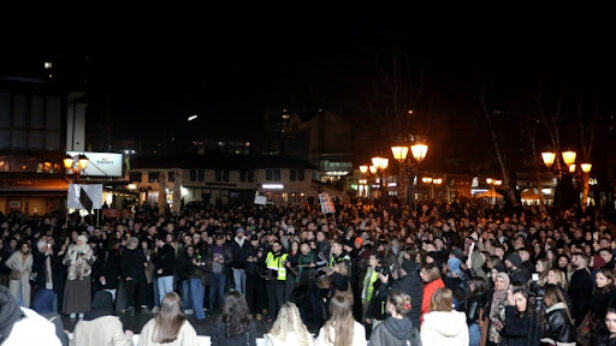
101 164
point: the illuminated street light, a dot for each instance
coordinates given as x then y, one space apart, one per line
82 161
490 181
426 180
68 162
548 158
400 152
363 169
569 157
373 170
419 151
586 167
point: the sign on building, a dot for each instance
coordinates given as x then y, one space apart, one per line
82 196
101 164
327 206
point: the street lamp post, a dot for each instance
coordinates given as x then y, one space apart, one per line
74 165
568 157
492 183
380 164
400 153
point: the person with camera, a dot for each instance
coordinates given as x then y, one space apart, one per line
521 325
195 280
406 281
275 261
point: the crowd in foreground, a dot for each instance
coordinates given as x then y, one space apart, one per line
441 274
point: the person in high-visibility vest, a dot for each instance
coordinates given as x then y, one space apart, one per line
367 289
275 261
339 255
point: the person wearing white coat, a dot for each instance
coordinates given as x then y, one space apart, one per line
21 326
20 264
443 326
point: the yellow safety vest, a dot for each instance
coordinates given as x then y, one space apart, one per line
277 263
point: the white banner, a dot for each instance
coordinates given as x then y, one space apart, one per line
94 194
327 206
101 164
260 200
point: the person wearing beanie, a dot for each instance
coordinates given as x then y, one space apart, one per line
517 274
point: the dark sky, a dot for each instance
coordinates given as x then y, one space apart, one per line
148 78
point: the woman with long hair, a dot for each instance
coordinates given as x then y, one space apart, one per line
558 325
606 335
541 268
471 306
443 326
341 329
603 297
169 326
396 329
234 326
557 278
431 276
521 324
288 329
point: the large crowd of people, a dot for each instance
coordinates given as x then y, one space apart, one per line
460 273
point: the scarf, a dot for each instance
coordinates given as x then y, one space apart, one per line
10 313
240 242
499 295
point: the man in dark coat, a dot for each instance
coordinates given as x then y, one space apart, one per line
133 270
409 283
581 287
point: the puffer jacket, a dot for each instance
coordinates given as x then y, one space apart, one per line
558 327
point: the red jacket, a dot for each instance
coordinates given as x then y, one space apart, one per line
428 291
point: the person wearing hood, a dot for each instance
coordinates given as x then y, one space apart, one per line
77 292
494 311
396 330
43 305
17 324
443 326
99 326
239 249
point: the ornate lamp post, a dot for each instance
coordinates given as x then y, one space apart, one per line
400 154
380 164
568 157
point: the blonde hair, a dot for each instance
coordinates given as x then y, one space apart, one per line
289 320
400 301
442 300
561 277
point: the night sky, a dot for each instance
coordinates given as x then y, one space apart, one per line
147 79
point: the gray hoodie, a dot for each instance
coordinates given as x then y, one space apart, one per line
395 332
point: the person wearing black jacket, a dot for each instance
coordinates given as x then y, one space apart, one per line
604 297
111 270
44 261
521 325
580 287
409 283
239 248
471 306
164 265
558 327
132 267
